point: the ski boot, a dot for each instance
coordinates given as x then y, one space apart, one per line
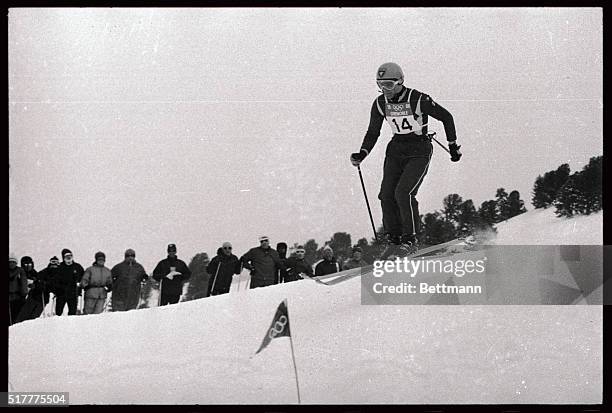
392 245
408 244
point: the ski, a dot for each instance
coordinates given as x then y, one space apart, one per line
339 277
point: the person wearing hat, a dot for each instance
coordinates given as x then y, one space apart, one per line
18 288
221 270
66 284
356 261
281 248
297 265
264 264
48 277
171 273
97 282
128 277
38 296
329 264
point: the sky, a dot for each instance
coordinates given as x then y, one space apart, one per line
135 128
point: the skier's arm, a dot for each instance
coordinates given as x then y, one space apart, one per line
373 132
433 109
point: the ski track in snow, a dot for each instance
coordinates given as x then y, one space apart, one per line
202 351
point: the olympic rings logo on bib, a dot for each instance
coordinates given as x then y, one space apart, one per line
278 327
401 119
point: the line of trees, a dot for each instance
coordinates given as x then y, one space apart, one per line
571 194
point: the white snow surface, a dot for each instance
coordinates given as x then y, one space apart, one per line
202 351
543 227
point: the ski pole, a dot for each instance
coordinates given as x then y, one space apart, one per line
160 292
215 278
42 296
432 136
367 202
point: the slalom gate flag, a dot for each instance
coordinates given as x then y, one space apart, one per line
279 326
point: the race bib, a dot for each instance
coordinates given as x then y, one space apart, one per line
401 119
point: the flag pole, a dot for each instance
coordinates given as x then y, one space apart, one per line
297 383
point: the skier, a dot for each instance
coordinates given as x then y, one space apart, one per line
97 283
329 264
408 153
128 277
171 272
222 269
66 284
297 265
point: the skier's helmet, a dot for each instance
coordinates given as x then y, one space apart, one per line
389 75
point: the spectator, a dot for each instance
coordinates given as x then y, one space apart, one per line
128 277
171 273
297 265
264 264
38 296
356 261
97 282
66 283
18 288
222 269
49 275
281 248
329 264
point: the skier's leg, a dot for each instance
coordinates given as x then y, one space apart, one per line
405 193
392 172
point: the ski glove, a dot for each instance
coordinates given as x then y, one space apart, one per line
357 157
454 151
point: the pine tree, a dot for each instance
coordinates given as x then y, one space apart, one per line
451 210
546 188
437 229
515 206
467 219
488 212
582 192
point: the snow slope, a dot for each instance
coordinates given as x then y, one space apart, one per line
202 351
543 227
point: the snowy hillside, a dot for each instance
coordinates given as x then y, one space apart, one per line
543 227
202 351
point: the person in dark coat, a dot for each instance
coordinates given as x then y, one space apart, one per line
281 248
66 285
264 264
356 261
297 265
171 273
38 296
222 269
328 265
128 277
18 288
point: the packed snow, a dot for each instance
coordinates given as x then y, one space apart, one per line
202 351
